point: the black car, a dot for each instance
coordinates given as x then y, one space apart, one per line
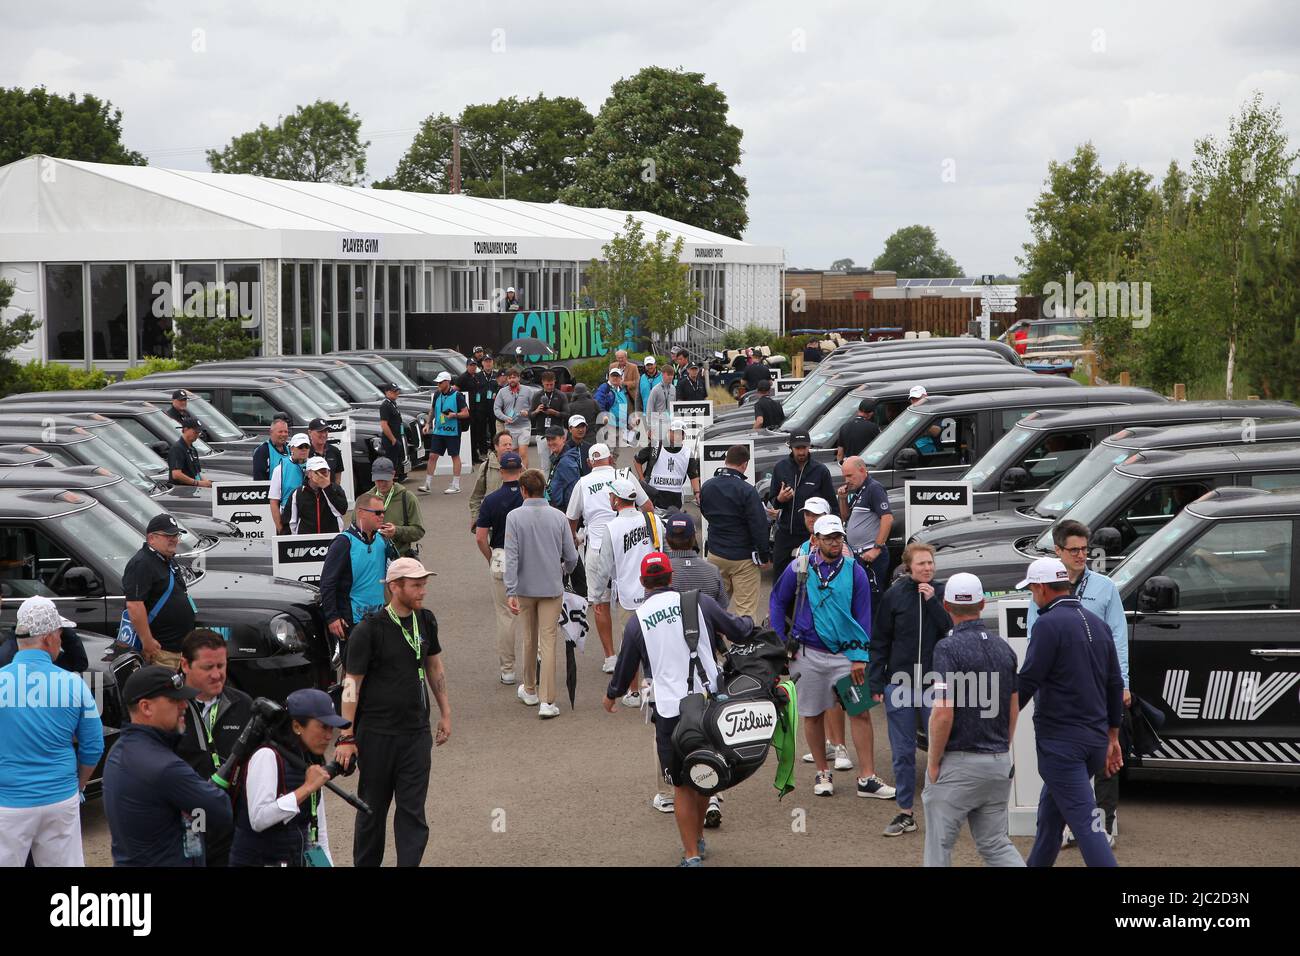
67 547
420 367
1206 425
1131 504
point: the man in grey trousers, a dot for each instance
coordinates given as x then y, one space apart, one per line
972 723
539 552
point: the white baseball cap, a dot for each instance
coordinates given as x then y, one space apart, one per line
963 588
677 425
649 360
1045 571
38 616
598 452
443 377
828 524
623 488
510 288
576 420
615 370
299 440
818 506
917 391
317 464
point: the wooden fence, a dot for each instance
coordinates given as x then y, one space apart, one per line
938 316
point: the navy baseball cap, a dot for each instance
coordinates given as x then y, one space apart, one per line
191 422
681 523
391 387
317 425
180 395
313 704
163 524
555 431
800 439
511 460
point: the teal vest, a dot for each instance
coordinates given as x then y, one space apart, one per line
445 408
369 562
291 479
274 457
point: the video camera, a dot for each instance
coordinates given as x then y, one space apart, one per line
268 717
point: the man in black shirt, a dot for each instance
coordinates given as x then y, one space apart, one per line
391 655
754 373
179 408
691 386
160 606
392 442
858 432
213 720
768 412
474 384
183 460
319 433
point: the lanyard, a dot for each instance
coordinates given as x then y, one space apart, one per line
411 639
390 495
210 723
825 583
313 826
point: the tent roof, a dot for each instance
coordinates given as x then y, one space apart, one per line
63 209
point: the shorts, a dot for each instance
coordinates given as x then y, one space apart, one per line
668 758
817 672
443 444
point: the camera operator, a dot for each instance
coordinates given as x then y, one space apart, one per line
158 809
213 720
280 816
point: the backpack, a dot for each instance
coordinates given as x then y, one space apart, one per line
723 738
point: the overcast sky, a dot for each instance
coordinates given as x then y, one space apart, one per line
852 113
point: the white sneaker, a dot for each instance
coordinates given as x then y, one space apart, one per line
823 785
546 711
507 677
830 755
452 489
632 699
527 698
428 485
842 761
608 666
1067 839
663 802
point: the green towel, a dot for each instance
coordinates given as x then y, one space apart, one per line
784 739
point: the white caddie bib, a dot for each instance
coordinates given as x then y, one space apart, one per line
631 539
669 472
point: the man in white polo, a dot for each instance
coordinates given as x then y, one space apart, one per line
589 508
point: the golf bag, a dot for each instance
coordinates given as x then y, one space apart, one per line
724 733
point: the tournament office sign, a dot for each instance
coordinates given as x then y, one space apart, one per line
931 502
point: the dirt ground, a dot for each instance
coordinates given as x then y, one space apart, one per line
509 789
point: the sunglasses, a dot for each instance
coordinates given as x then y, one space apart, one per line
373 511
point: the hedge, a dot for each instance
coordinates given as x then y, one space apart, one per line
39 377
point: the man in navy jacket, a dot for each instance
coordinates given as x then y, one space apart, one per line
1072 667
794 480
737 542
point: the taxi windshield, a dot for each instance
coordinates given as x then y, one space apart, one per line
1142 561
893 439
98 452
320 393
808 413
1076 483
217 425
829 425
1096 506
138 509
99 532
1008 451
807 388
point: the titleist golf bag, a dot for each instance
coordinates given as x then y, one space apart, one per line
724 734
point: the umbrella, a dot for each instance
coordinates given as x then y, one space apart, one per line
570 672
526 348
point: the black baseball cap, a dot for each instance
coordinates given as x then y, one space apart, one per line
555 431
155 680
180 395
867 405
391 387
282 417
317 425
478 348
765 385
471 361
163 524
189 421
800 439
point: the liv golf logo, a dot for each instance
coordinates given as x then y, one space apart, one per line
209 300
1099 300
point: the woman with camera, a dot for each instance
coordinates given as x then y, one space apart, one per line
280 818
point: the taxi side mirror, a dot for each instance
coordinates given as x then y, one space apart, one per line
1158 593
1013 479
81 582
907 459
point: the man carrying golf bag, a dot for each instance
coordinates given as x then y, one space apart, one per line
656 632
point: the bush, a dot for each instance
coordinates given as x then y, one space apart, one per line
750 335
39 377
152 364
590 371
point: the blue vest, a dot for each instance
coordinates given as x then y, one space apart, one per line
445 408
274 457
291 479
369 562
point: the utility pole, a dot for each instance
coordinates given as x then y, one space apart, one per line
503 172
455 159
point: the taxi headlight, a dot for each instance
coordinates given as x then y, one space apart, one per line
287 632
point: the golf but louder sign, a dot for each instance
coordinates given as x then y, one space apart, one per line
931 502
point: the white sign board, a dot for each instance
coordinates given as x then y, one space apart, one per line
713 455
300 557
697 415
246 505
930 502
340 436
784 386
1026 785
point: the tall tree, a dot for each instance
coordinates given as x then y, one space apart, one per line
662 144
86 129
318 143
913 252
538 140
1067 224
841 265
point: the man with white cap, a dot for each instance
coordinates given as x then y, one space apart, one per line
447 409
393 661
972 724
589 509
614 574
318 506
614 400
511 301
649 379
287 478
667 468
916 395
51 738
831 621
580 438
1073 668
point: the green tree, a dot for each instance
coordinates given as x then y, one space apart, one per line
662 144
641 284
539 140
913 252
1067 224
1270 354
14 333
319 143
841 265
37 121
